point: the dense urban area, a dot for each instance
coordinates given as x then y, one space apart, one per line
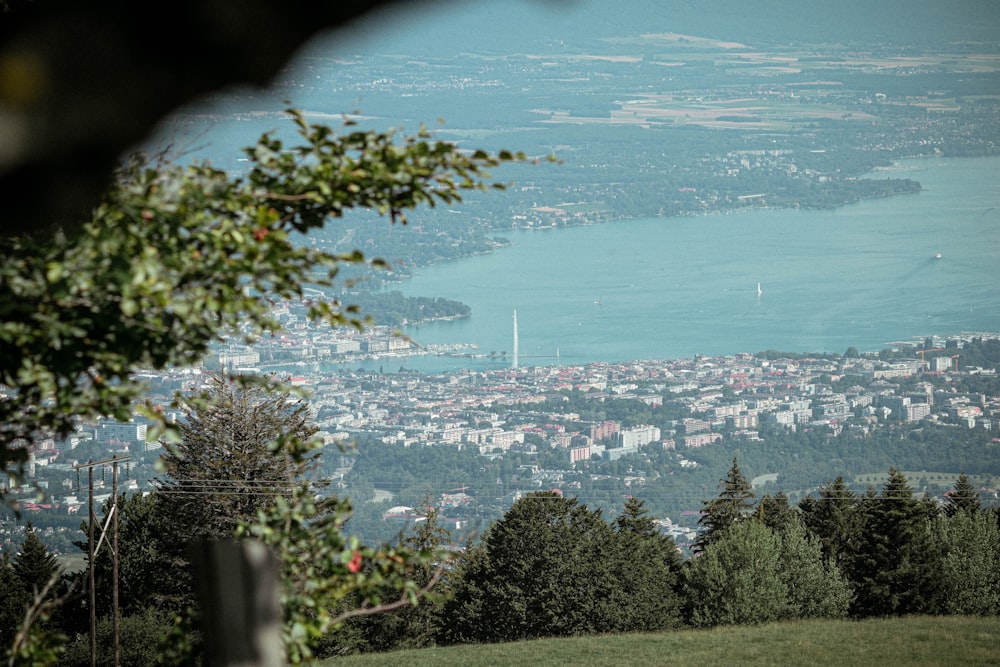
473 442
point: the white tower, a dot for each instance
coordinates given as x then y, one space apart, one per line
515 339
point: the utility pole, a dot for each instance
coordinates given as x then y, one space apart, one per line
90 565
92 552
114 558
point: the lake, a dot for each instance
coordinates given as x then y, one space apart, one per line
862 276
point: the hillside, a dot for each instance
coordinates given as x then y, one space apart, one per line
911 641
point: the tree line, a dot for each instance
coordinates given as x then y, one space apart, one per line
550 566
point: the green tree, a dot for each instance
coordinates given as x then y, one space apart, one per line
153 584
15 601
754 574
414 626
151 569
321 567
894 567
970 564
816 586
540 571
963 498
774 511
734 502
634 520
245 467
833 517
737 579
229 464
648 569
37 593
34 566
139 637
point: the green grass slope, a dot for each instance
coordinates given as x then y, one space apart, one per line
912 641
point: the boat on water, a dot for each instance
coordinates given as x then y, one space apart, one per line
938 255
758 289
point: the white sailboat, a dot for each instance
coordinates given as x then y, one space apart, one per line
758 289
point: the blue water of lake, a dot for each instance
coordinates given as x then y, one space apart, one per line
862 275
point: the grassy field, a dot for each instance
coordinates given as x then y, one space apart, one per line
73 562
944 479
913 641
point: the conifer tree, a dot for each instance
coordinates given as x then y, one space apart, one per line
148 565
774 511
34 566
228 466
834 518
648 571
36 572
895 567
15 600
634 519
551 567
963 498
542 572
734 502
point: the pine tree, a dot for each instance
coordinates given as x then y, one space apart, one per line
895 568
504 581
226 467
774 512
963 498
834 518
34 566
151 572
15 600
734 502
551 567
647 572
634 520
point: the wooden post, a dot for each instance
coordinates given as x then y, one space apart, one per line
237 586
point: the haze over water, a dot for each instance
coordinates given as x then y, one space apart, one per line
862 276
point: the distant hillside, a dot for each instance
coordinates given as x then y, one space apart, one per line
490 26
912 641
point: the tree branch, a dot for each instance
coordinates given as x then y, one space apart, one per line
403 601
